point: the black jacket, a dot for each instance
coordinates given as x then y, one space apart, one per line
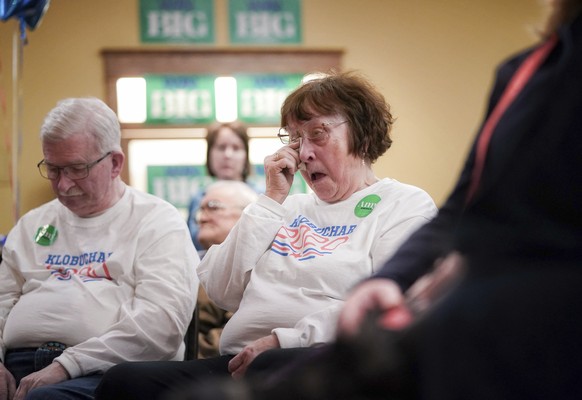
528 209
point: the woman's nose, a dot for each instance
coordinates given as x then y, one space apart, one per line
306 152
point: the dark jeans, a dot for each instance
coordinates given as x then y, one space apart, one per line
279 360
157 379
23 363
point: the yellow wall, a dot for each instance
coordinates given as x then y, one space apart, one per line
433 60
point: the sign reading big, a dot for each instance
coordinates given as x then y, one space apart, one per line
265 21
177 21
191 99
180 99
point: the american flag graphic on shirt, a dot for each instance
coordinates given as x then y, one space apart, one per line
303 240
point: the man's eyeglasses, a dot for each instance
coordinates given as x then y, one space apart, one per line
316 135
74 171
212 207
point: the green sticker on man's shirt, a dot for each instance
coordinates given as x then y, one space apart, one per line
46 235
366 205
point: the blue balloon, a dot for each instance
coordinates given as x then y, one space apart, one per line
29 12
8 8
35 10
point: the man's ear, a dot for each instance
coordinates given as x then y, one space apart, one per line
117 160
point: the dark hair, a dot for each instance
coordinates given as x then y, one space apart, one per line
564 11
240 130
352 96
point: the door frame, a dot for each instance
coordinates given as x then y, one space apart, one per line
119 63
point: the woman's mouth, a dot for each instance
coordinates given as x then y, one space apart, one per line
316 176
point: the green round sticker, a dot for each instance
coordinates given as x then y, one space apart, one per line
46 235
366 205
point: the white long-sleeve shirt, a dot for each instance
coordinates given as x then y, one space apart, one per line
286 269
117 287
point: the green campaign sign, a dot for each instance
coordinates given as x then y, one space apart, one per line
177 184
265 21
180 99
177 21
259 97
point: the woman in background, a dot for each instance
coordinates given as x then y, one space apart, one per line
227 158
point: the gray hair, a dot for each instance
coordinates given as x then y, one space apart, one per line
83 116
241 192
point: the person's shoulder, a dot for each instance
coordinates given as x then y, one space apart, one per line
507 67
148 202
50 207
395 187
45 214
137 195
405 196
153 214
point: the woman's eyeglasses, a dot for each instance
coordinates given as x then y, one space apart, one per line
317 134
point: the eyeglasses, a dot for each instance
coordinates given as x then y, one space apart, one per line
74 171
212 207
317 135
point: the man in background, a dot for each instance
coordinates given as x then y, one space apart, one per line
220 209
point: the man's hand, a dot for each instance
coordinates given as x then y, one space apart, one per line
238 365
53 373
7 384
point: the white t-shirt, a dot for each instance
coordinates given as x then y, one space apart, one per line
287 268
116 287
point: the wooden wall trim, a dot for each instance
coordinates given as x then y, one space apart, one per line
138 62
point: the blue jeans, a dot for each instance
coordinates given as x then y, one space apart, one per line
23 363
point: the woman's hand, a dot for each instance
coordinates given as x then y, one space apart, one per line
279 170
239 364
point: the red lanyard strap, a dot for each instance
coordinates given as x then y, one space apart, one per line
516 84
